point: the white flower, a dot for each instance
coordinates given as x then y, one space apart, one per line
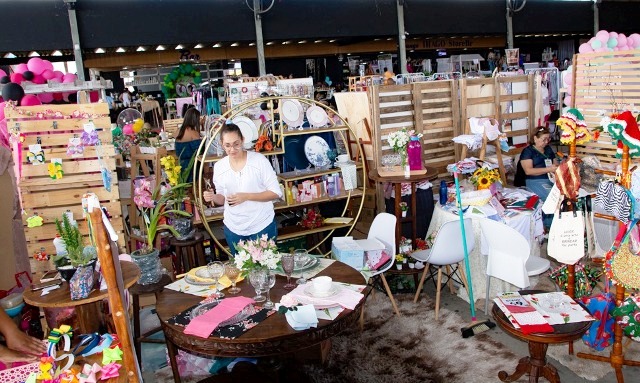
288 301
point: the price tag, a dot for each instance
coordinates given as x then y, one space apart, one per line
89 127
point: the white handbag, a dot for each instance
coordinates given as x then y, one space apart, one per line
566 235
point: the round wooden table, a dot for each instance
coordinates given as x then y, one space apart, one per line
536 363
271 337
87 310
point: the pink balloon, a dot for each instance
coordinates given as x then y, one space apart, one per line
94 96
30 100
45 98
636 39
36 65
48 74
568 78
603 36
69 77
46 64
2 73
625 48
2 104
585 48
59 75
21 68
17 78
613 34
602 49
128 130
567 100
38 79
615 49
622 40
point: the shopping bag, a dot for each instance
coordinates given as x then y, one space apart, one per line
586 278
566 235
616 200
600 333
621 265
628 314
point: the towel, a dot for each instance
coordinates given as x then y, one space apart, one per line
303 318
349 175
204 325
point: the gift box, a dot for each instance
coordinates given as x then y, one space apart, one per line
347 250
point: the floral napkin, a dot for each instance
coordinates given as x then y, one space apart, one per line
344 297
564 309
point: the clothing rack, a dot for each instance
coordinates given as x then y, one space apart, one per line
548 74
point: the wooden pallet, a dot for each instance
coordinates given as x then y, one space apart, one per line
172 126
50 198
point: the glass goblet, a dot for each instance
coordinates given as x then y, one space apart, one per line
232 272
288 264
300 256
332 154
257 280
216 271
270 281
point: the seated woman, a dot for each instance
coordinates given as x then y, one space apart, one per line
188 139
538 160
19 347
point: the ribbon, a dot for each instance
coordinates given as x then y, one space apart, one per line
68 376
111 355
63 332
45 367
89 341
88 374
106 341
34 221
110 370
55 170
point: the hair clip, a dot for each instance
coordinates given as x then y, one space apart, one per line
89 139
75 150
36 158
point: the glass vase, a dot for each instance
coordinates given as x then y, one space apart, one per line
150 266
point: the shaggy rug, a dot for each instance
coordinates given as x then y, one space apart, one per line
412 347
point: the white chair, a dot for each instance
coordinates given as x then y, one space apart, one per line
508 256
447 251
383 228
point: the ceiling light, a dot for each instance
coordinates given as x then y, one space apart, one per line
120 50
179 46
389 39
141 49
56 53
235 44
218 45
270 43
100 50
198 46
160 48
318 41
9 56
34 54
381 52
332 40
348 54
376 39
252 44
302 41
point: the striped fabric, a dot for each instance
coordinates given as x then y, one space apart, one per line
615 200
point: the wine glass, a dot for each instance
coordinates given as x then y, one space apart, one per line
216 271
270 281
288 264
332 154
300 257
257 279
232 273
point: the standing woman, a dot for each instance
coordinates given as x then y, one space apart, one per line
188 139
246 185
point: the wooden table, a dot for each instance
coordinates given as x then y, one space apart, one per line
272 337
536 363
88 309
397 182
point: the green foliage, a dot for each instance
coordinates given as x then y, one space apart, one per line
72 238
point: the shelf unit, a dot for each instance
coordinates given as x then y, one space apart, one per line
278 133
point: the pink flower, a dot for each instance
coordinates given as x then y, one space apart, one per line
288 301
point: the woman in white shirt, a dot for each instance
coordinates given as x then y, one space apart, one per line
246 185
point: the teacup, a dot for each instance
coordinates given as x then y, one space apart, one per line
322 284
343 158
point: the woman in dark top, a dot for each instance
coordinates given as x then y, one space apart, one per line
188 139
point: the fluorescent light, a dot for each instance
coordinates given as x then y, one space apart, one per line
318 41
141 49
120 50
9 56
270 43
332 41
252 44
160 48
218 45
198 46
34 54
286 42
235 44
99 50
302 41
56 53
179 46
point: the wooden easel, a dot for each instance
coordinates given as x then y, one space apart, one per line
483 151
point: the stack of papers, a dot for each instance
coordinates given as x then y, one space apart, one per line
522 314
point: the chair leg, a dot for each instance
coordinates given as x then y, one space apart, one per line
463 276
386 287
438 289
419 288
486 295
449 281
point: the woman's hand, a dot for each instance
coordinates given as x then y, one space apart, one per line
552 168
208 195
23 343
237 199
8 355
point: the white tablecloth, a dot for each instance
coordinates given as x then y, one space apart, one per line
526 222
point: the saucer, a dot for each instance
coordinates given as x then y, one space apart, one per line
310 291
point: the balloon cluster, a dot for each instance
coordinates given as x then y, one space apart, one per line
133 128
37 71
172 78
605 41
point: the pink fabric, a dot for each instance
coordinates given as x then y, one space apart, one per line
204 325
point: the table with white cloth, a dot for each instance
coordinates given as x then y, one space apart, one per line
527 222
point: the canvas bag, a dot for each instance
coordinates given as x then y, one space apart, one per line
621 265
616 200
600 333
566 235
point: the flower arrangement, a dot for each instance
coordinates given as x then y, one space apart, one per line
257 253
153 207
312 219
264 143
482 178
421 244
288 303
403 206
400 258
399 140
77 254
177 176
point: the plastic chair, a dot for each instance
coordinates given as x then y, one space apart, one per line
383 229
508 257
447 251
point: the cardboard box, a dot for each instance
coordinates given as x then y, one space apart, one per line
347 250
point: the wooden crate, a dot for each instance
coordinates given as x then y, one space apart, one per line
172 126
54 125
604 82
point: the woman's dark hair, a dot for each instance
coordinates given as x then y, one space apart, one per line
230 128
539 132
191 121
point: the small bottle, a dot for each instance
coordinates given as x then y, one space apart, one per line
289 195
331 186
414 152
295 193
282 192
61 247
443 193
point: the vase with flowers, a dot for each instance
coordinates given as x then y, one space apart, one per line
176 175
483 178
404 208
398 141
153 206
255 255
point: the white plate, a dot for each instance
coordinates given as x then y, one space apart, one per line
310 291
292 113
249 130
190 281
560 308
315 148
317 116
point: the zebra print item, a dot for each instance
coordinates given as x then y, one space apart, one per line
615 200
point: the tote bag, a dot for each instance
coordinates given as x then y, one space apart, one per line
566 235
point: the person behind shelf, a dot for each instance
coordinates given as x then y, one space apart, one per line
188 138
125 97
18 347
538 160
388 74
246 184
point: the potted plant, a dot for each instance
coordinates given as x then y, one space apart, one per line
179 195
153 206
81 259
400 259
404 208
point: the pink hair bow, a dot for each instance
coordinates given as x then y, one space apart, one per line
110 371
88 374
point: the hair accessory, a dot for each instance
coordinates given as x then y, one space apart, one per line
111 355
56 334
46 366
35 158
89 138
87 343
34 221
625 128
105 342
110 370
55 170
75 147
88 374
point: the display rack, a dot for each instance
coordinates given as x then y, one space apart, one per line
278 133
53 126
